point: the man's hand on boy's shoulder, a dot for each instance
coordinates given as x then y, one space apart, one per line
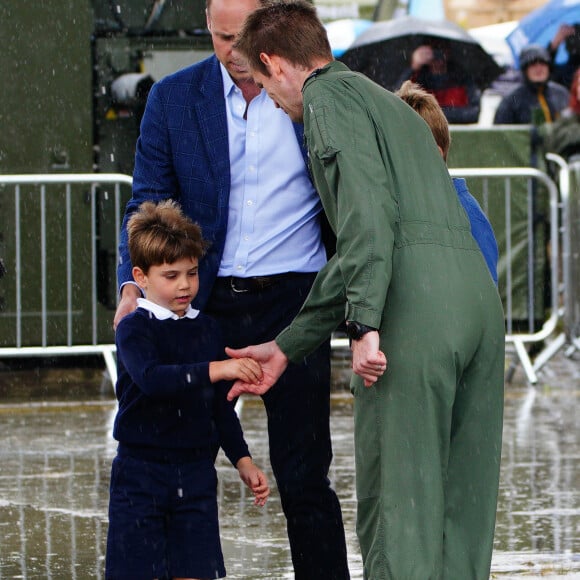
128 302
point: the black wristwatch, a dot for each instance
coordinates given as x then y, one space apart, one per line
356 330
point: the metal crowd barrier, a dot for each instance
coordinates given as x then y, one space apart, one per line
568 176
20 191
32 206
549 325
489 183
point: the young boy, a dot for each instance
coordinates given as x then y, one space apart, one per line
173 414
426 105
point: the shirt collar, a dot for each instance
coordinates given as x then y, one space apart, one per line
230 86
227 80
162 313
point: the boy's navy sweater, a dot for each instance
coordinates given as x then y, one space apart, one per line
168 408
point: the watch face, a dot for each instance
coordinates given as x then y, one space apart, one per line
354 330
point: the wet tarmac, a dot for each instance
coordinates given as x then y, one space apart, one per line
56 453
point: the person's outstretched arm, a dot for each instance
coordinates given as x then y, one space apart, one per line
272 360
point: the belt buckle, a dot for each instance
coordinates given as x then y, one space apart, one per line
237 290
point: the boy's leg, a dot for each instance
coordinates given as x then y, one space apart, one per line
136 544
193 537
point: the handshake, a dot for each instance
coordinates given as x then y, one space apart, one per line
368 362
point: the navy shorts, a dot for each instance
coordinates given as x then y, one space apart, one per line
163 520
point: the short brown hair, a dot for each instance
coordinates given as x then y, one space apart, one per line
162 234
427 106
291 30
208 3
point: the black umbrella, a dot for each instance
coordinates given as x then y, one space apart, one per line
383 51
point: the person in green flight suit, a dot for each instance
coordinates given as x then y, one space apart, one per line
414 287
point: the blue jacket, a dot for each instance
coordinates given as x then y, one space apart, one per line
183 154
481 229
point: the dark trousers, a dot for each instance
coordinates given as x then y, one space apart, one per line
298 411
163 519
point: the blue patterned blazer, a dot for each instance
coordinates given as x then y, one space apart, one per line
183 154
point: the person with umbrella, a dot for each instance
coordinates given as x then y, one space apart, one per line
433 68
569 35
554 25
439 55
412 283
537 99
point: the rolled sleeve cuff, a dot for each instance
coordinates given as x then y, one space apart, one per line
363 316
296 343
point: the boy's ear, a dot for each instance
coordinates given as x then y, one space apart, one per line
140 277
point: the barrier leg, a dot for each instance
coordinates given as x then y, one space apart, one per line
526 362
553 347
111 364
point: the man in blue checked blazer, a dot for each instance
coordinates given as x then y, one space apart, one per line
214 141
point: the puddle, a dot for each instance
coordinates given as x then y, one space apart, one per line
55 460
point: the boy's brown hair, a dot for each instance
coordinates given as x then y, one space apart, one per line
162 234
427 106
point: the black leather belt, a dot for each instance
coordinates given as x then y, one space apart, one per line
254 283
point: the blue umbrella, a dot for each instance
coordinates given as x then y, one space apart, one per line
342 33
540 26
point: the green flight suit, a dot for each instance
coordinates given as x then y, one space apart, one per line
428 433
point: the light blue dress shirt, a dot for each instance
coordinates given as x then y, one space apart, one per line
273 223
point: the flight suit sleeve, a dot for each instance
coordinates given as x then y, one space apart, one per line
350 165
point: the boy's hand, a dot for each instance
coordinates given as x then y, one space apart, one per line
244 369
255 479
273 363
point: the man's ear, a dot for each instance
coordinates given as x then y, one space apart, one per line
140 277
265 58
272 63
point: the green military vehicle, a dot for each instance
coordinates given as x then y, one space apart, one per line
76 75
